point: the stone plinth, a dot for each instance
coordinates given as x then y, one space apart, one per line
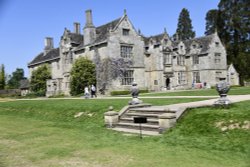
166 121
111 119
135 101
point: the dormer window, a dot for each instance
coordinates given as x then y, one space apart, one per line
165 41
156 45
194 46
125 32
181 47
216 44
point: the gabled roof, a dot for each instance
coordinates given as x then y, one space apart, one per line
103 30
73 37
76 38
156 38
24 84
203 42
43 58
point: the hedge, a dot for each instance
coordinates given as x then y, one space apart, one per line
125 92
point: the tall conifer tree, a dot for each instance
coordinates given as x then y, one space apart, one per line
184 28
211 21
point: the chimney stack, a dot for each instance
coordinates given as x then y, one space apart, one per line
89 21
89 30
49 44
77 28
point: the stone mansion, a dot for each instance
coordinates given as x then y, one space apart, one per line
156 62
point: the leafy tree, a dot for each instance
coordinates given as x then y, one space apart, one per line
184 28
15 78
83 73
2 77
211 21
233 28
38 79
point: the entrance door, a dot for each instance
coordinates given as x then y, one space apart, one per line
168 83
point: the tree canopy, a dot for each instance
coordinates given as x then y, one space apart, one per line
184 28
38 79
83 74
233 26
2 77
15 78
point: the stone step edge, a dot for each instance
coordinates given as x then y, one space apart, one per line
131 119
154 109
142 114
137 131
137 125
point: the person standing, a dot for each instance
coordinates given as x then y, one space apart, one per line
86 92
93 91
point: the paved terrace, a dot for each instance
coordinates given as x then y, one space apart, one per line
181 107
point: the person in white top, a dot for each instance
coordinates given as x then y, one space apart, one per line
86 92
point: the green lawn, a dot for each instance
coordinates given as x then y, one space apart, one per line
45 133
201 92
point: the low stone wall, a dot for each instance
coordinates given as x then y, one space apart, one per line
10 92
246 83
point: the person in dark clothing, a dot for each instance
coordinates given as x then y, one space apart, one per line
93 91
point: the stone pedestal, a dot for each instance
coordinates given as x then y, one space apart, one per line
135 101
222 101
166 121
111 119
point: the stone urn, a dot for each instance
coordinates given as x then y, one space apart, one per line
222 88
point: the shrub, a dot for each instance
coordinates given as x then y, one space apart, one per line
125 92
57 96
35 94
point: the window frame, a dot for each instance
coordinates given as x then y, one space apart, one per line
217 58
126 51
128 77
181 60
196 59
181 78
196 77
125 31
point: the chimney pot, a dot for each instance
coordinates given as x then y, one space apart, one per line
89 21
77 28
49 44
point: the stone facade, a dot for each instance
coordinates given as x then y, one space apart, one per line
157 62
233 75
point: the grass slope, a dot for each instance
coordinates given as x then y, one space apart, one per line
45 133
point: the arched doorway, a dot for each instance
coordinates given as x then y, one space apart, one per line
168 83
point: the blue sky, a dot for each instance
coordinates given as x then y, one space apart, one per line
25 23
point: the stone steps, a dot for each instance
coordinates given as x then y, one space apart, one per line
128 113
152 113
146 127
